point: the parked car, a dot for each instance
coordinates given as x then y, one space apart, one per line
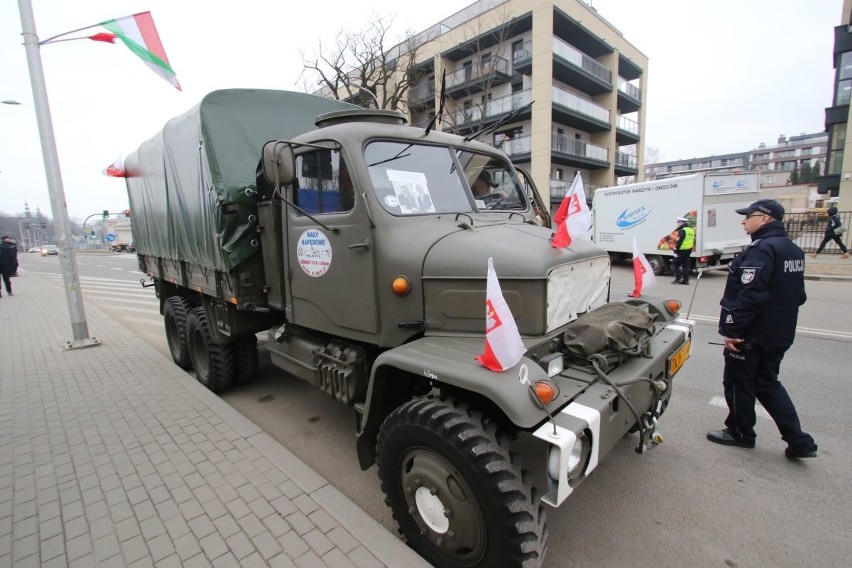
49 250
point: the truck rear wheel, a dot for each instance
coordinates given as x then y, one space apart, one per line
213 363
657 263
175 312
459 497
246 359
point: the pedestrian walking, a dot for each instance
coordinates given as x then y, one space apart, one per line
833 230
681 264
760 306
8 262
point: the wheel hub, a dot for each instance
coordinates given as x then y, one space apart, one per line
443 506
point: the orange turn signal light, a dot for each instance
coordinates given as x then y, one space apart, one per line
545 391
673 306
401 285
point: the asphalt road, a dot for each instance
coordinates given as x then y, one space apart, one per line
685 503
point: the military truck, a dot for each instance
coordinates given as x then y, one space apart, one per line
356 244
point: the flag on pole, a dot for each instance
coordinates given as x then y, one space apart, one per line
503 345
643 274
140 35
573 216
115 169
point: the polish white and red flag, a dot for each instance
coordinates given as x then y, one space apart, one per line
503 345
643 273
115 169
573 216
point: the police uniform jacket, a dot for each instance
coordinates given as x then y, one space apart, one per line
765 287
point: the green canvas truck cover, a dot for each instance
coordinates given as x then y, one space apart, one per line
187 185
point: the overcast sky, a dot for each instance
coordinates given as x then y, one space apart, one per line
723 77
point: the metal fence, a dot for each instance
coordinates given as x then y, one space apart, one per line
808 229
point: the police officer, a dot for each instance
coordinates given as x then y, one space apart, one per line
760 305
683 250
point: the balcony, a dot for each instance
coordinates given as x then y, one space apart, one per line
629 97
579 113
518 148
522 59
478 76
627 131
573 67
477 116
578 153
422 93
626 164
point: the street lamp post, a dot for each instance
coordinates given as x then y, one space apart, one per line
67 260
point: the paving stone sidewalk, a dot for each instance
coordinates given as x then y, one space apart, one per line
113 456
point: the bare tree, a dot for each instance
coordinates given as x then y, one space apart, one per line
363 61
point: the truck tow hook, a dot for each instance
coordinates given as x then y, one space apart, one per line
650 438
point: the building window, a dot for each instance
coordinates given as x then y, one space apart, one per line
844 90
837 141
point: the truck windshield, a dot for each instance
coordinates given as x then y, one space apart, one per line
414 179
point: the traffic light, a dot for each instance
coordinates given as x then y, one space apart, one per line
106 213
127 212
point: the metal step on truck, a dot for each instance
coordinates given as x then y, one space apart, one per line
357 245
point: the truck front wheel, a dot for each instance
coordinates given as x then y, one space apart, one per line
175 312
459 497
213 363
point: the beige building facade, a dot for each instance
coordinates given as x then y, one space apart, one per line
572 88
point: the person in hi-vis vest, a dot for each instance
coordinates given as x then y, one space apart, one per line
683 249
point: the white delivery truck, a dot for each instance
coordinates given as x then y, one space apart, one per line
649 211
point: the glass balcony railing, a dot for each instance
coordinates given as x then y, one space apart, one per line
492 108
626 160
628 125
629 89
522 55
579 148
579 59
478 71
423 90
516 146
580 105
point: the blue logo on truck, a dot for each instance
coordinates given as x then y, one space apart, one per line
628 219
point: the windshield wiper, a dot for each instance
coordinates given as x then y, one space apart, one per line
399 155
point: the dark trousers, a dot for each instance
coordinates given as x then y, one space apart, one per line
681 265
7 280
753 374
827 239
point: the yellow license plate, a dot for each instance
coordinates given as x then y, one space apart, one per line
678 358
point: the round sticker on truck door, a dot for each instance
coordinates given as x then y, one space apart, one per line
314 252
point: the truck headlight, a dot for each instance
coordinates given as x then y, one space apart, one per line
576 459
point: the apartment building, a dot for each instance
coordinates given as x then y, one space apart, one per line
837 180
569 81
774 162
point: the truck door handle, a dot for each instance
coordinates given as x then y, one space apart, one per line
365 245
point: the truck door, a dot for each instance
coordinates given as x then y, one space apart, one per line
329 253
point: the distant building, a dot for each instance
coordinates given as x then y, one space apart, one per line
774 162
837 178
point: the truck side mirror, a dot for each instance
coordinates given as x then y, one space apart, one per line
279 165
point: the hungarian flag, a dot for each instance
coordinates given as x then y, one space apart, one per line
115 169
503 345
643 274
140 35
573 216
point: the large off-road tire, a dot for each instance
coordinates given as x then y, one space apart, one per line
213 363
247 359
460 498
175 313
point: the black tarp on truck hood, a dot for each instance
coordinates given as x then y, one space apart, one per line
187 184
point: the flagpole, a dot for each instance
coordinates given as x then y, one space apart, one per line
68 260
